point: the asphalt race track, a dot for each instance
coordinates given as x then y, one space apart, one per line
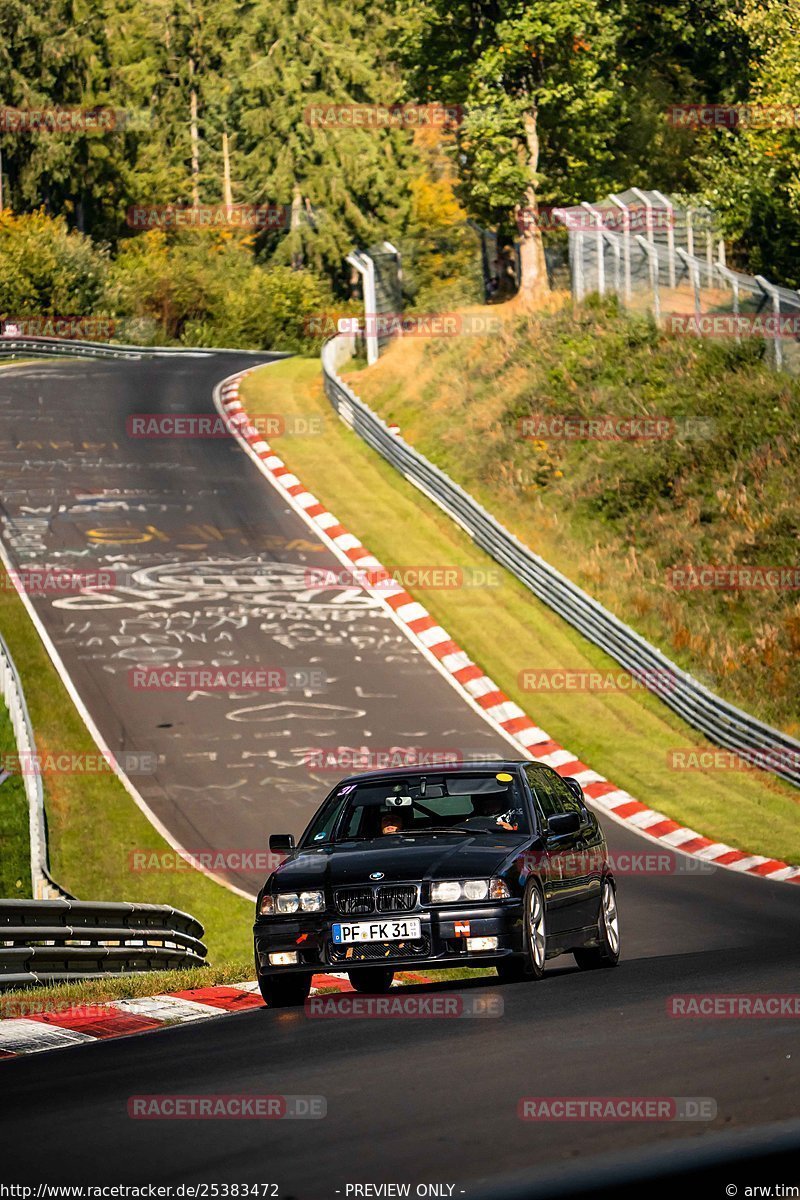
435 1100
424 1101
210 567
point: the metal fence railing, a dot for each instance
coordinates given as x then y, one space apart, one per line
43 885
655 253
720 721
77 348
56 941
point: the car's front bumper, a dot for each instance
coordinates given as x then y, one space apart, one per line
441 945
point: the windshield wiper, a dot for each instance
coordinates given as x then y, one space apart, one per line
491 832
449 829
460 829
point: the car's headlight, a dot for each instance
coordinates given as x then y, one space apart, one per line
451 891
476 889
292 902
445 893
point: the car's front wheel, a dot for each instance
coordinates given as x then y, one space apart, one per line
284 991
371 980
606 954
530 965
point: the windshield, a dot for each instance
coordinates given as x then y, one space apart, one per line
465 804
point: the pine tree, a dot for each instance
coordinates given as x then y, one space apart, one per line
342 185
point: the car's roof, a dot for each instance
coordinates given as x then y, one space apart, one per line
465 768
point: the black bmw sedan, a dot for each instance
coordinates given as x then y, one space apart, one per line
468 866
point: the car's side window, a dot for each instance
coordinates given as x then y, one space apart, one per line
546 799
322 827
567 800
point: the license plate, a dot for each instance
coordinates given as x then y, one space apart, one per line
376 931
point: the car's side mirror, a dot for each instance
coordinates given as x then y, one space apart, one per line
576 790
569 822
281 843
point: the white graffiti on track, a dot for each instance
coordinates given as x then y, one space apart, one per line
286 711
239 584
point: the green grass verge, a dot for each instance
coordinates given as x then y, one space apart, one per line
28 1001
15 861
625 736
51 998
94 825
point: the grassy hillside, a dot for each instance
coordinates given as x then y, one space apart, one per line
721 487
625 735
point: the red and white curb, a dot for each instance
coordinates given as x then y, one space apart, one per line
92 1022
475 686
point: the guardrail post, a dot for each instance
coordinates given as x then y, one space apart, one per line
773 295
366 269
626 243
733 281
601 262
670 235
693 271
652 259
579 284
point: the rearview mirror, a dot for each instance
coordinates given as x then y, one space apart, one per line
281 843
569 822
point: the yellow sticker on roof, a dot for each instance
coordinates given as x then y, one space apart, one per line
504 777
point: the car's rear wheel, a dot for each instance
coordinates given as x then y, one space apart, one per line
590 958
371 980
530 964
284 991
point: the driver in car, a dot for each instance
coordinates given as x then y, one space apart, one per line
487 811
392 822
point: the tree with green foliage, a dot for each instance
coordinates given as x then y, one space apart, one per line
295 68
538 81
46 268
673 53
751 175
56 54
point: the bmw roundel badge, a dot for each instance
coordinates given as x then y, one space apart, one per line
376 875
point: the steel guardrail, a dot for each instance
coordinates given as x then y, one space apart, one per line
42 883
75 348
57 941
723 723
